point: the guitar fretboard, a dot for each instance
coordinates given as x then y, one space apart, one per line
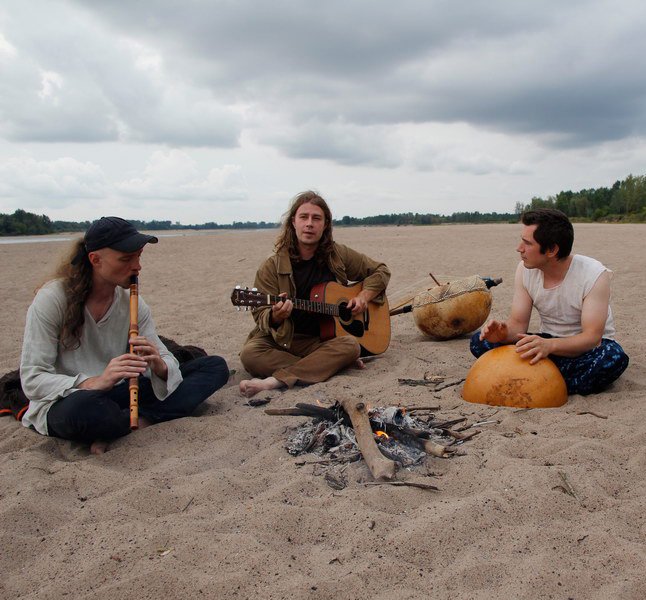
322 308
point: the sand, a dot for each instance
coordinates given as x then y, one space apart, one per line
212 506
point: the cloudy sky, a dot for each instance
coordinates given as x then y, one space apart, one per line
222 110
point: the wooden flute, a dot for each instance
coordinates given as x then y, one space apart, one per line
133 382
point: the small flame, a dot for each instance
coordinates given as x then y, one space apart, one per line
382 434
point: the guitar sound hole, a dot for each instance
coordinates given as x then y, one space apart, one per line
345 314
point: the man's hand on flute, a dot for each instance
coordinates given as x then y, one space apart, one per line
120 367
150 353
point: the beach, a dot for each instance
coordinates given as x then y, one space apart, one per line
543 503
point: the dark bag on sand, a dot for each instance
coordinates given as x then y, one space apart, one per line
12 399
182 353
14 402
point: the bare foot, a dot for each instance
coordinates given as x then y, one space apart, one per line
250 387
98 447
360 364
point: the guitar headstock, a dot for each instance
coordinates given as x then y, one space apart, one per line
248 297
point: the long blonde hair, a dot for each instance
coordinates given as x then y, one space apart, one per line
77 284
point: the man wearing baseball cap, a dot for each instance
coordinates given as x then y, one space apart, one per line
75 363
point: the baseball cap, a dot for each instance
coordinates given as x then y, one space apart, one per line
115 233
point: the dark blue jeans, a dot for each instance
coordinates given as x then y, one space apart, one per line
588 373
89 415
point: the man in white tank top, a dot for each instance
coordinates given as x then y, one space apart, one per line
572 296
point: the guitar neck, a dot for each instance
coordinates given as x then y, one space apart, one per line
321 308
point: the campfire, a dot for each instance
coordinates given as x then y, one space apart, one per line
387 438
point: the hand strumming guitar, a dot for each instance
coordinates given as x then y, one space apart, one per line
280 311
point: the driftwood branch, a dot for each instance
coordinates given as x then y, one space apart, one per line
419 437
380 466
448 384
460 437
436 383
304 410
415 484
594 414
446 424
413 382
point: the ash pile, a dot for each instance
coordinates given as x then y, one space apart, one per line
404 436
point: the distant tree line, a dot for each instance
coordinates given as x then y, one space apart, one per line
427 219
624 201
25 223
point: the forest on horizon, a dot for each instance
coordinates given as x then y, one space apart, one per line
625 201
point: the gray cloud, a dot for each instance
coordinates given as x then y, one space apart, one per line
169 175
346 144
173 175
339 76
68 79
566 71
60 182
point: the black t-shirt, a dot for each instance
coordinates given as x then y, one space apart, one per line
307 274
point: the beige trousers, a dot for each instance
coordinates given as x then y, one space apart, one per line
309 360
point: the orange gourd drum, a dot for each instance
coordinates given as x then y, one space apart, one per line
452 309
501 377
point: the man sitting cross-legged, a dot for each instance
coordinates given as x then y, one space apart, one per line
75 361
572 296
285 348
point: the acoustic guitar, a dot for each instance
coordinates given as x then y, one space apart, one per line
370 328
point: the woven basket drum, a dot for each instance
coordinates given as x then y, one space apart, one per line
452 309
501 377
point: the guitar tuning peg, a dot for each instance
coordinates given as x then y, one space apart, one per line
237 287
238 308
254 289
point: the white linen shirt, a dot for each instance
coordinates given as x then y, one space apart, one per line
49 372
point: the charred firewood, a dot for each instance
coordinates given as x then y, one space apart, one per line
380 466
304 410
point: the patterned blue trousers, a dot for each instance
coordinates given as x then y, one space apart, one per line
586 374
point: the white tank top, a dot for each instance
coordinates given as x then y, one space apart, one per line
560 307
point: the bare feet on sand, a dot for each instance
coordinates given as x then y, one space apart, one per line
101 446
250 387
98 447
360 364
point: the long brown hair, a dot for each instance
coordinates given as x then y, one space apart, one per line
287 236
77 284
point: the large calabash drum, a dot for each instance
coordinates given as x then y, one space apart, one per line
501 377
452 309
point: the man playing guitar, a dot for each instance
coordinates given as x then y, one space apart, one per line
285 347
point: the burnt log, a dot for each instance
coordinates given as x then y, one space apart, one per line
380 466
304 410
419 436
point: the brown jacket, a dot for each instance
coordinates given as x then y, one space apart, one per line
275 277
